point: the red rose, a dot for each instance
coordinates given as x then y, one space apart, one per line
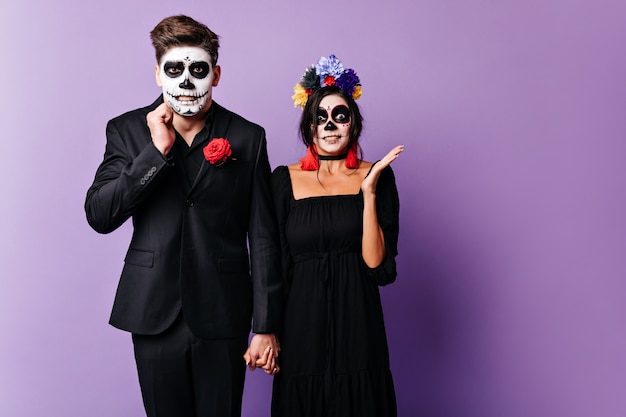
217 151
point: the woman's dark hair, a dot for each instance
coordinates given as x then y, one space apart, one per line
308 121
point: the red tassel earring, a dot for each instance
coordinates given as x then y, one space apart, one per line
352 160
310 162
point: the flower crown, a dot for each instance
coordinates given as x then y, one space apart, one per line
327 72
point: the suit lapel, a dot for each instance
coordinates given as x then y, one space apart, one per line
219 127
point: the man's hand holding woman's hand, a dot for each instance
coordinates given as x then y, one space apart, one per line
263 353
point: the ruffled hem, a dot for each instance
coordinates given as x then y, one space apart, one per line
367 393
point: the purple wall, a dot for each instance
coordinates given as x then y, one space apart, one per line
512 266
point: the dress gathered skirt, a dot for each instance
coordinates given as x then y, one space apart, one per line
334 357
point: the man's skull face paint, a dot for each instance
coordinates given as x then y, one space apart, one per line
186 76
333 125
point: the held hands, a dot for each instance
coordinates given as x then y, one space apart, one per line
160 123
263 353
369 183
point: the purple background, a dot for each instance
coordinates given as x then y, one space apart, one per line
512 266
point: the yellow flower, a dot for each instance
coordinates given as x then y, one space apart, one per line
357 92
300 97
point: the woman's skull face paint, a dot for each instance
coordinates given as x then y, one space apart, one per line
332 133
186 76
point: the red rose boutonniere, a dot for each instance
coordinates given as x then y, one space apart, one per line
218 151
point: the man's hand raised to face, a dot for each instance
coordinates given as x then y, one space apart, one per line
161 128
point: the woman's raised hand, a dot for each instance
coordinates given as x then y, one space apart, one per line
369 183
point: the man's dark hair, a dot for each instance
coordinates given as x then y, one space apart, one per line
182 30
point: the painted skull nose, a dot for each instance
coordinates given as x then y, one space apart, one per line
330 126
188 85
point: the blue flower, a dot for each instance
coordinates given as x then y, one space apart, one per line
329 66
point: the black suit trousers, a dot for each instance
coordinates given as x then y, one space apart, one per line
182 375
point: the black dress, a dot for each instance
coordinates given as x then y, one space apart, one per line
334 359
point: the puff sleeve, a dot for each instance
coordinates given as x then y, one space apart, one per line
388 212
281 190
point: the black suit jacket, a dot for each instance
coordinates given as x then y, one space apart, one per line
210 248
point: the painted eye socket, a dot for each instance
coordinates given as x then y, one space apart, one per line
322 116
173 69
200 69
341 114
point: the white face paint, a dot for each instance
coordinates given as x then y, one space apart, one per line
187 76
332 133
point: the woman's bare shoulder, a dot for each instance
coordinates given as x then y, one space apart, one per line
295 169
365 165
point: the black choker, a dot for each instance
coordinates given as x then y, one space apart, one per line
332 157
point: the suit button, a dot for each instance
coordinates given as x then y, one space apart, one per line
189 203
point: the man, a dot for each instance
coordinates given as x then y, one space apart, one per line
203 261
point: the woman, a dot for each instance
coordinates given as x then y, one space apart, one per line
338 219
